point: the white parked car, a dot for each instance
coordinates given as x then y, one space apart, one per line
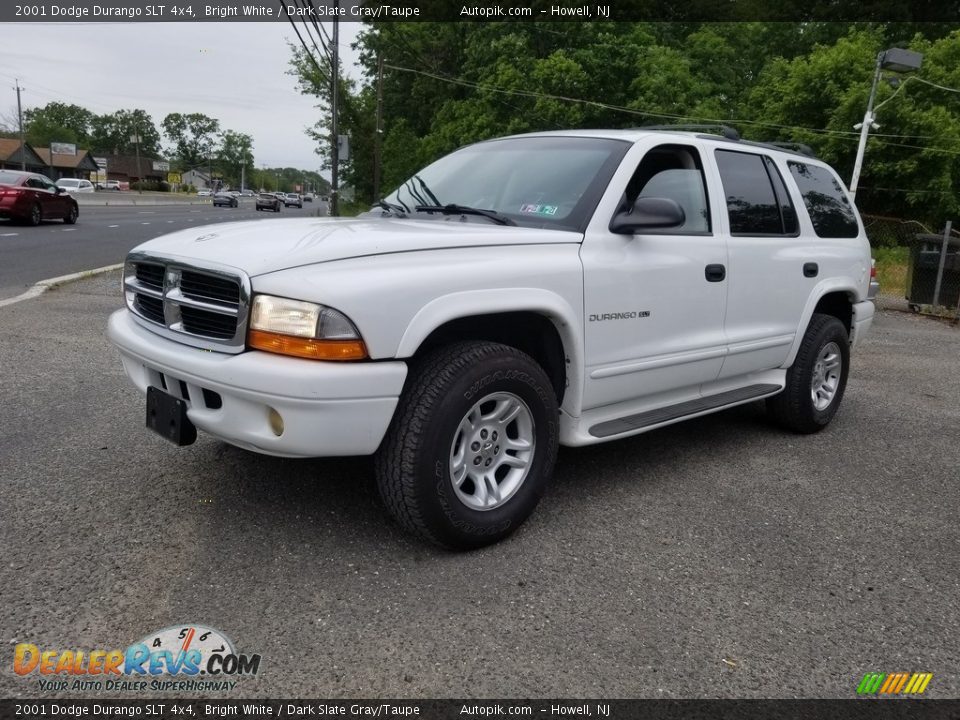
564 288
204 193
74 185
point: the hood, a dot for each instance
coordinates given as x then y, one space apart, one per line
263 246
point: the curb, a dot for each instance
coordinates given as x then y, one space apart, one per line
42 286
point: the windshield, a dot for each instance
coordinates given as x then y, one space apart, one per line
545 182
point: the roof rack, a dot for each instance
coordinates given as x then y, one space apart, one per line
724 130
728 133
801 148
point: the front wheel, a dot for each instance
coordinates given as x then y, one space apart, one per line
817 378
471 446
72 216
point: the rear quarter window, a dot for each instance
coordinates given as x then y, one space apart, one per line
830 211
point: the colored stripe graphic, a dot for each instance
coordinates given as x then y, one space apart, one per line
894 683
870 683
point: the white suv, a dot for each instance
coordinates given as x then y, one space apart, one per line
563 288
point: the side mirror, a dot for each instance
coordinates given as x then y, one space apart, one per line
648 213
60 190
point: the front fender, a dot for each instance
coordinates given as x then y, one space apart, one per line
453 306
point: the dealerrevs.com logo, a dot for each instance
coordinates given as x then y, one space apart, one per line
181 658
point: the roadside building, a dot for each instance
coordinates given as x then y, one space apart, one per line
199 179
126 169
65 165
13 156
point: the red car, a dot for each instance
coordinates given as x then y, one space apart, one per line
30 198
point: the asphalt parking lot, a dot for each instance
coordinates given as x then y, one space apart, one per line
716 558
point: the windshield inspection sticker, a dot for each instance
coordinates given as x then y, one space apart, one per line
539 209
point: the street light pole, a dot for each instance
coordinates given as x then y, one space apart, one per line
23 146
897 60
868 119
136 139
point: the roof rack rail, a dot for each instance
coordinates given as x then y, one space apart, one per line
724 130
801 148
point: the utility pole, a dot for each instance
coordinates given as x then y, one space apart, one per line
136 139
378 131
334 77
23 147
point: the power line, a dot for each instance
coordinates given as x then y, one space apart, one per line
845 135
306 49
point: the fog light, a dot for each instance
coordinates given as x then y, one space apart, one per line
276 422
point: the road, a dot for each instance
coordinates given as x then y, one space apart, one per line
103 235
716 558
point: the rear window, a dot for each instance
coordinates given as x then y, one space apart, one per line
830 210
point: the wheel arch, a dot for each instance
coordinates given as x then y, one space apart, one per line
537 322
835 299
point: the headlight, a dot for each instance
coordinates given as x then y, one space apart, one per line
303 329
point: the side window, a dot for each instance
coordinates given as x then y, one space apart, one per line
674 172
830 210
788 216
752 204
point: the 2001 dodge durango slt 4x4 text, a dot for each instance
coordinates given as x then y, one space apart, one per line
521 293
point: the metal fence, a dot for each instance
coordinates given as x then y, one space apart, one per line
918 267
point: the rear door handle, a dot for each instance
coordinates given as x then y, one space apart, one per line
810 269
715 273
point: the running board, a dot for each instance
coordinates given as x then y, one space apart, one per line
673 412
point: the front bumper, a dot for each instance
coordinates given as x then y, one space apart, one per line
328 408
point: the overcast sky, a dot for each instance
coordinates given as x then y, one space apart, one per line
235 72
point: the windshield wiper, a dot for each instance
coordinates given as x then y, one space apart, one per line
423 186
453 209
393 208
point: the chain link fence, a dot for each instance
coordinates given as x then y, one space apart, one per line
918 267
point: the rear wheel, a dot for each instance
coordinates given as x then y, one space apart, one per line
817 379
472 445
35 215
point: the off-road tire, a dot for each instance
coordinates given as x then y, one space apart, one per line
794 408
413 461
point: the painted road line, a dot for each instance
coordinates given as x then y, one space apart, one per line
41 287
9 234
145 223
113 226
67 229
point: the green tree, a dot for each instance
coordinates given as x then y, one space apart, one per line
235 154
194 137
111 133
912 162
57 122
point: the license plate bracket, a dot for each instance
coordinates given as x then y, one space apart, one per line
167 416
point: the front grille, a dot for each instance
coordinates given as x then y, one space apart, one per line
202 306
150 275
151 307
201 322
209 288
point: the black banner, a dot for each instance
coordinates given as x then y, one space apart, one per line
100 11
180 709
